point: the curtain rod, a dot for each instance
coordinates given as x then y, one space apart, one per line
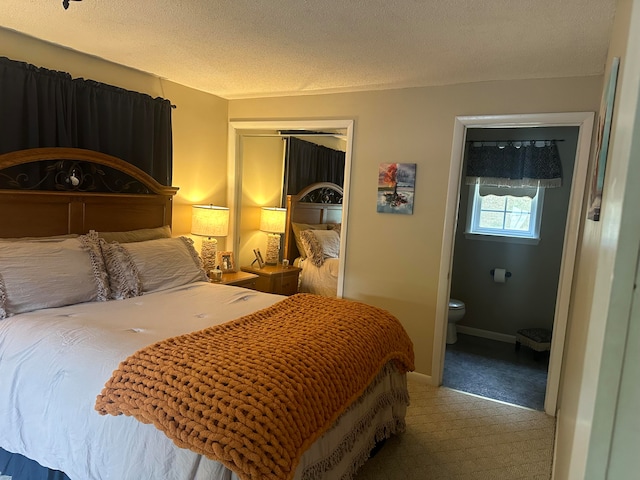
516 141
309 133
281 135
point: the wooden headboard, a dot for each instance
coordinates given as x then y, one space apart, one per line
318 203
73 207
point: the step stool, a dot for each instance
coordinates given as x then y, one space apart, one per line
537 339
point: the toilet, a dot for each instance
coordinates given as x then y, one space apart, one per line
456 312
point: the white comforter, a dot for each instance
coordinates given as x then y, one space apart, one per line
54 362
322 280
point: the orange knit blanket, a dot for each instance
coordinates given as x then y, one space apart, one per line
256 392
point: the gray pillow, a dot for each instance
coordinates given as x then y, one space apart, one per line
140 235
143 267
36 274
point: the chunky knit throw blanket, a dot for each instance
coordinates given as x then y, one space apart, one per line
256 392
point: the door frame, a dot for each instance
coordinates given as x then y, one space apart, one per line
234 173
583 120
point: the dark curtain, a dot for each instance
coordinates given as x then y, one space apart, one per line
45 108
514 164
307 163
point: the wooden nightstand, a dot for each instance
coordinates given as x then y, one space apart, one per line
276 278
239 279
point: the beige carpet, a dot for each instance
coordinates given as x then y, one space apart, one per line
455 436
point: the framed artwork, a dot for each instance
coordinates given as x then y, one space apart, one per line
396 187
226 262
602 142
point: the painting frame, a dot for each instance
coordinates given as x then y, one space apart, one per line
603 133
226 262
396 187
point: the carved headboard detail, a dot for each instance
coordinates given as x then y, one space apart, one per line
73 202
317 203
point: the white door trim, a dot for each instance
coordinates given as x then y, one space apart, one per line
583 120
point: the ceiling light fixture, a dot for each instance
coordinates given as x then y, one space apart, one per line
65 3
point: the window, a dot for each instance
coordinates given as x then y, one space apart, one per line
499 212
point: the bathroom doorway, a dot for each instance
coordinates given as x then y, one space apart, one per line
483 360
464 125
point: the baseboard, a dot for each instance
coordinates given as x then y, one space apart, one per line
477 332
420 378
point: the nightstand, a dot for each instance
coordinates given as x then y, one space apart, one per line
276 278
239 279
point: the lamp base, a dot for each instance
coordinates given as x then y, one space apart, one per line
273 249
208 253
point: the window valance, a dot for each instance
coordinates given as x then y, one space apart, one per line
514 164
484 190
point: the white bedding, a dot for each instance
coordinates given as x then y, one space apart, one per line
54 362
322 280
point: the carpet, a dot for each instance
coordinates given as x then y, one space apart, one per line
454 436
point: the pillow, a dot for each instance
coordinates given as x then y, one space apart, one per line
336 227
329 241
124 279
300 227
320 244
140 235
35 274
54 238
152 265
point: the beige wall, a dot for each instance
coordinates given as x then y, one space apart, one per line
262 174
392 261
199 122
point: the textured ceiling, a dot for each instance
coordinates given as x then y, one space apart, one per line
252 48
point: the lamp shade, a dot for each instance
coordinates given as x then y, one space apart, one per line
273 219
209 221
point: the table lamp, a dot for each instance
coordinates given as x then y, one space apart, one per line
272 221
209 221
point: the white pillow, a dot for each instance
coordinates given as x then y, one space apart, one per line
37 274
298 228
320 244
140 235
156 264
329 241
53 238
337 227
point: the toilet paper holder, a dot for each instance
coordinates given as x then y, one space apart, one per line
493 271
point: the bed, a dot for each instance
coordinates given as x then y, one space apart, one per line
312 236
118 358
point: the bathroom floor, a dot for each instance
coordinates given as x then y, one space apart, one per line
494 369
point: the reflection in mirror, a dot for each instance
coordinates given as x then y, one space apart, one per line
266 178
